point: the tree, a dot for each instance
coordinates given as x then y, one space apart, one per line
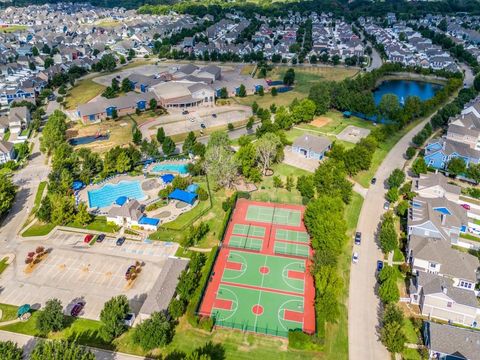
389 107
177 307
442 25
419 166
123 163
274 91
266 148
137 136
220 164
219 138
10 351
223 93
112 316
154 332
456 166
289 183
277 182
63 208
168 146
242 91
7 194
330 180
396 178
388 233
35 51
392 194
160 135
153 104
82 217
473 172
107 63
476 83
289 77
320 94
410 153
53 133
127 85
60 349
189 143
304 111
48 62
306 186
402 207
51 317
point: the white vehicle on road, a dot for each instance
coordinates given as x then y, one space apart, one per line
355 257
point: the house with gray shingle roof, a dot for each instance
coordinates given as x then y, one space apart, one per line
451 342
311 146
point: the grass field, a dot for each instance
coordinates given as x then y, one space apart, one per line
99 223
337 123
84 91
305 77
3 264
38 229
9 312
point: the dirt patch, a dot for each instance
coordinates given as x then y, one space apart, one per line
321 121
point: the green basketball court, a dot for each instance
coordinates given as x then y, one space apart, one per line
258 310
291 249
274 215
249 230
271 272
292 235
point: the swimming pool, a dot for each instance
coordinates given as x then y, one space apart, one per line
179 168
107 194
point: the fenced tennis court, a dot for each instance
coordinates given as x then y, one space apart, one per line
286 248
291 235
275 215
243 242
248 230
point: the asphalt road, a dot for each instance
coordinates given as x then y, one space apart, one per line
376 59
364 305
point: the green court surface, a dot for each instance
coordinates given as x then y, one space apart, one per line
291 235
274 215
257 310
249 230
243 242
270 272
291 249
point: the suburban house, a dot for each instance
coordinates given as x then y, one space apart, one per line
437 218
311 146
104 108
164 288
450 342
465 129
179 94
440 152
7 152
18 119
434 186
130 214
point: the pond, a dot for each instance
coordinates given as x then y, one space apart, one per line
87 139
405 88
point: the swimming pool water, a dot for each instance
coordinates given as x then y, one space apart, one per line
107 194
179 168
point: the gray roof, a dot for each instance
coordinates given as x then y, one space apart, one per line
436 284
130 209
428 209
165 286
453 263
439 179
452 340
188 68
129 100
312 142
5 146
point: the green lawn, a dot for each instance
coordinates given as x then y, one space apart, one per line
39 195
38 229
3 264
470 237
352 212
409 331
83 91
6 136
398 255
99 223
13 28
293 133
338 123
9 312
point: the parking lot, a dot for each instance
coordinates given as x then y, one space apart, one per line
74 271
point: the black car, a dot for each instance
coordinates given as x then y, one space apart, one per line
214 115
358 238
184 112
120 241
374 180
77 308
100 238
203 126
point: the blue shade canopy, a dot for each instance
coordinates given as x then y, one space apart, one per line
167 178
182 195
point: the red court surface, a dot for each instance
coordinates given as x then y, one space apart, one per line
276 281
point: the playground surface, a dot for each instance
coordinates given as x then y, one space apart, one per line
261 280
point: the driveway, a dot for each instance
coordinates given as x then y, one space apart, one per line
364 306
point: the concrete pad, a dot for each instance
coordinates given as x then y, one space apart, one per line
353 134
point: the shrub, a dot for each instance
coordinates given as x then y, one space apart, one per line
298 340
410 153
176 308
206 323
202 194
51 317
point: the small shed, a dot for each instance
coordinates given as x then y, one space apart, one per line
311 146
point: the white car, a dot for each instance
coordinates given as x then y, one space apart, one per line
386 206
355 257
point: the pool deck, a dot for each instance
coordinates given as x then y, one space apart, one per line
152 194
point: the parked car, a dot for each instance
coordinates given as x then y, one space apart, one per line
465 206
100 238
203 126
88 238
120 241
214 115
129 319
77 308
358 238
379 265
373 181
355 257
184 112
386 206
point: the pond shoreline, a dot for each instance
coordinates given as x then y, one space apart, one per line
433 79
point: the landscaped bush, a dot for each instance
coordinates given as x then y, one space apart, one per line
155 205
202 194
206 323
298 340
